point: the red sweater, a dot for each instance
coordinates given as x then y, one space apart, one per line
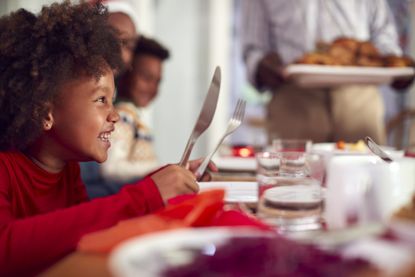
43 215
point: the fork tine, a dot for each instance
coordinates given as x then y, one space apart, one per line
240 107
241 110
237 116
235 112
234 122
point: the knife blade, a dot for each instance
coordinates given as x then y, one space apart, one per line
206 115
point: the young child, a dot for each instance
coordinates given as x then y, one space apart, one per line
132 141
56 93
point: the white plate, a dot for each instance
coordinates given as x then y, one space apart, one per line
235 163
150 255
325 75
235 192
330 147
390 257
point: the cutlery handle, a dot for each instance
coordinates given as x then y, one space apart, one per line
201 170
187 151
377 150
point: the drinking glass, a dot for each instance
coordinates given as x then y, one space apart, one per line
293 164
290 189
302 164
268 166
292 204
291 145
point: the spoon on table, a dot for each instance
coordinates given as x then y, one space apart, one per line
377 150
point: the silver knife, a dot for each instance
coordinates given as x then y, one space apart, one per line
205 116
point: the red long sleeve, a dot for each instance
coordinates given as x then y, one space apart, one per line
42 216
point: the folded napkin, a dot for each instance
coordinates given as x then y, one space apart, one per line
201 210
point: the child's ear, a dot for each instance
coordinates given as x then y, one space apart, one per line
48 121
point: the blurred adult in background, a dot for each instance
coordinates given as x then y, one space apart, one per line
123 18
278 32
132 153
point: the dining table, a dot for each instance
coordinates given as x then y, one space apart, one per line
92 264
80 263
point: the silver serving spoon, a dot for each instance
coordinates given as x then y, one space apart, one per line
375 148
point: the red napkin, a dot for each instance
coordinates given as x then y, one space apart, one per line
237 218
202 210
179 199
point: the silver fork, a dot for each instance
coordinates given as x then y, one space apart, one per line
233 124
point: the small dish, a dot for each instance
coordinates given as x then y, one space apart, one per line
229 163
235 192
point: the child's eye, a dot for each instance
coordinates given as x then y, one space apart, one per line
101 99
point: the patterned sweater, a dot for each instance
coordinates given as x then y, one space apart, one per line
131 155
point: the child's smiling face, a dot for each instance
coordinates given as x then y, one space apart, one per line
83 118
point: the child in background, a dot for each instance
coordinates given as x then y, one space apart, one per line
132 154
56 93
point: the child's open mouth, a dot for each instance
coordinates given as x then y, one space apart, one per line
105 136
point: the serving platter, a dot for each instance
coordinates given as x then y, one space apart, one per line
326 76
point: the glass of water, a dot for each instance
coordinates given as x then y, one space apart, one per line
302 164
268 166
290 189
293 204
293 164
291 145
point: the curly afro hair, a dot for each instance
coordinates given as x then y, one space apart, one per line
38 53
149 46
